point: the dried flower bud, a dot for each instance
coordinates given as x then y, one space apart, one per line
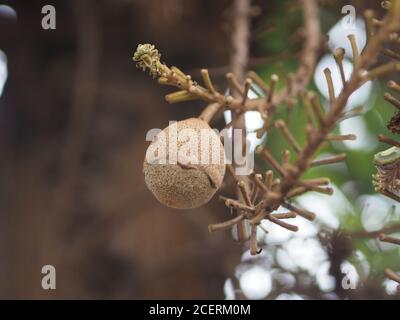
394 123
148 57
388 166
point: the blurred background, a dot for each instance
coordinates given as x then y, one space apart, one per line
74 112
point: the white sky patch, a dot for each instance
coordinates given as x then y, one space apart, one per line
276 234
229 289
359 97
289 296
323 209
325 281
307 229
285 260
391 205
357 125
3 70
338 36
307 254
256 283
327 208
390 286
363 263
375 211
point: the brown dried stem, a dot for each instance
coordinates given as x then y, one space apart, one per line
387 140
385 238
392 275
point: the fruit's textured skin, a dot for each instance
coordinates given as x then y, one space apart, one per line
184 185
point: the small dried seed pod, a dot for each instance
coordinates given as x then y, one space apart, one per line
387 164
185 164
394 123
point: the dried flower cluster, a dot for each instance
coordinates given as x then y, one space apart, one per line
261 194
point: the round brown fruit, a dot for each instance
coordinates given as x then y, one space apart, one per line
190 181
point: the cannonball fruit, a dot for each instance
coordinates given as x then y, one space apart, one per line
185 164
